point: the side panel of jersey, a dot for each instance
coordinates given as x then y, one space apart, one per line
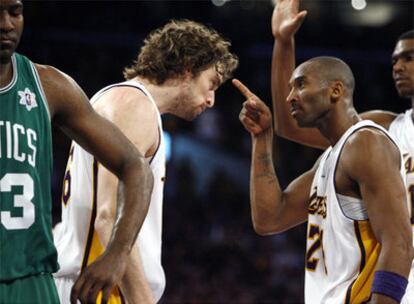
25 176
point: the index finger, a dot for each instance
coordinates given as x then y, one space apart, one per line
242 88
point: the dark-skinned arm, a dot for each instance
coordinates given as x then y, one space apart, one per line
272 209
382 189
286 21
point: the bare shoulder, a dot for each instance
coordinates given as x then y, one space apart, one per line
127 101
369 148
133 113
59 87
383 118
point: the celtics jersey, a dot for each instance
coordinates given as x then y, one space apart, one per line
26 243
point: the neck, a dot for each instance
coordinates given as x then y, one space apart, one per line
6 73
165 95
337 123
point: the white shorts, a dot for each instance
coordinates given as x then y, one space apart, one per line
64 287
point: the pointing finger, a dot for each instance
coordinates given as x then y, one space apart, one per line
242 88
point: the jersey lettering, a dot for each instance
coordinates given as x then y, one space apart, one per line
20 143
23 200
315 233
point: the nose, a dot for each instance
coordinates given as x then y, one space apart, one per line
5 21
398 66
210 99
292 97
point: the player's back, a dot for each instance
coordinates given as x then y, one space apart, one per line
25 176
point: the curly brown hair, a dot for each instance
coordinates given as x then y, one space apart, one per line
180 46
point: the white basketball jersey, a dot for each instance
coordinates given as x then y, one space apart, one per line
77 242
402 128
342 251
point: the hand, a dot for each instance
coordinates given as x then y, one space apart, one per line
102 275
286 20
255 115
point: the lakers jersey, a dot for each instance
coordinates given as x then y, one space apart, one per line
77 241
26 243
342 251
402 128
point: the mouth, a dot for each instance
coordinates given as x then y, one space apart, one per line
402 81
294 110
6 42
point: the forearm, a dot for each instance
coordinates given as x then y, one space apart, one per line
283 64
134 284
265 192
134 193
388 262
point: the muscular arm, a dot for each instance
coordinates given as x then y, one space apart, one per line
286 20
71 111
274 210
375 168
125 106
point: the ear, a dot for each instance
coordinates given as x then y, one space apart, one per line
337 91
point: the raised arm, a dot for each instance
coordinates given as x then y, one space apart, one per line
382 189
71 111
272 209
286 20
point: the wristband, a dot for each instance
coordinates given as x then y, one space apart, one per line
390 284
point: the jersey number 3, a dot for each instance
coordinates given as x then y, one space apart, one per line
23 200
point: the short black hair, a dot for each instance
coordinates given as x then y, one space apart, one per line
407 35
332 69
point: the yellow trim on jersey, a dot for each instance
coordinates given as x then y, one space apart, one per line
94 247
96 250
360 290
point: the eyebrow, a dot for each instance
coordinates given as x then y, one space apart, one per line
402 54
296 80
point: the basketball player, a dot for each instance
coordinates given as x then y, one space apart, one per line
31 97
286 21
177 71
353 198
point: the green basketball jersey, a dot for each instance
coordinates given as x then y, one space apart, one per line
26 242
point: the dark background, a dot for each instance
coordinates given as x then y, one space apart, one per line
210 251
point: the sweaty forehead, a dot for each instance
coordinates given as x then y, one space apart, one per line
403 46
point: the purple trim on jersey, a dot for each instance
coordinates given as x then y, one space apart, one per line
93 215
339 155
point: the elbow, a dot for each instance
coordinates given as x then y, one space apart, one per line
260 230
137 168
264 229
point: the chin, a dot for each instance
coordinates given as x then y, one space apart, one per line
5 56
405 92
